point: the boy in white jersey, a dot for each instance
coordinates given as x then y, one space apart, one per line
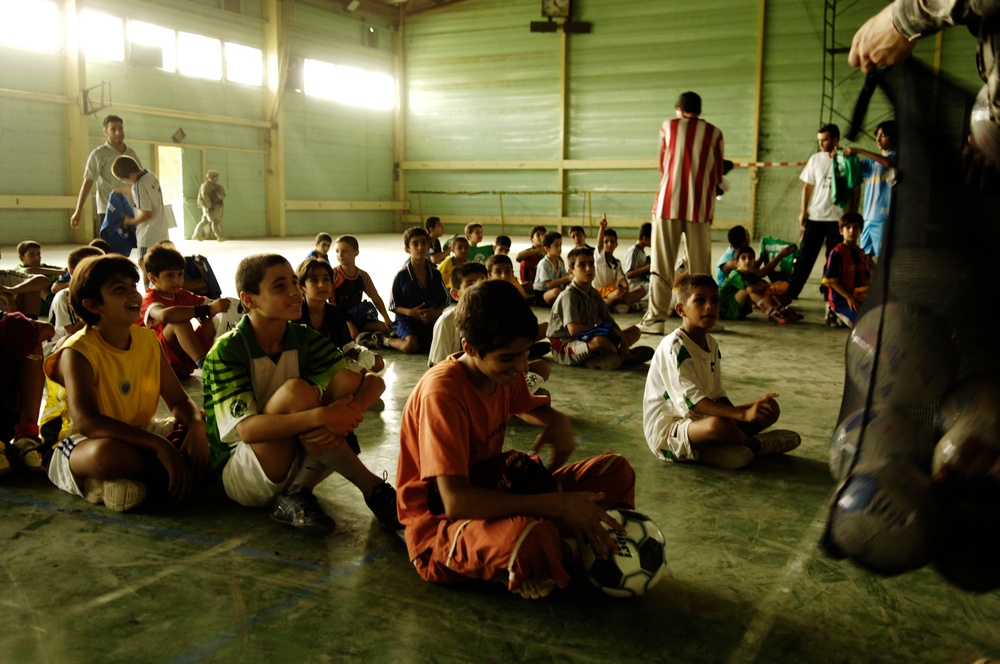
686 414
115 373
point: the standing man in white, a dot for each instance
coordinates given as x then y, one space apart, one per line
98 171
691 169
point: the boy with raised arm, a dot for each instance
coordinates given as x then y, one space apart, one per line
468 512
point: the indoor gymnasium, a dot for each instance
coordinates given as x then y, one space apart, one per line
267 123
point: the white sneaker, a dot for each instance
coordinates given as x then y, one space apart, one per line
123 495
778 441
651 327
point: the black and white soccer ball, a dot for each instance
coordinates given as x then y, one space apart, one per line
228 320
638 562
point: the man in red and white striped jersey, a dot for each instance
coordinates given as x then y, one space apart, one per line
691 168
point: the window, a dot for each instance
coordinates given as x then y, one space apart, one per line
148 38
244 64
102 37
199 56
32 25
349 85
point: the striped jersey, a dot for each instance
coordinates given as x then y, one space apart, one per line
239 377
691 169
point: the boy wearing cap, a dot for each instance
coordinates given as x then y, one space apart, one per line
210 197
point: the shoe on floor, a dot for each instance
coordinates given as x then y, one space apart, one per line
366 339
651 327
381 500
300 509
117 495
620 308
640 354
778 441
4 462
27 453
539 349
608 362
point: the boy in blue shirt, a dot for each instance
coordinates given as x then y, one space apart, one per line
878 172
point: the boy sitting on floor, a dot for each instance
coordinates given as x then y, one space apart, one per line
168 310
463 520
686 414
582 331
282 406
115 373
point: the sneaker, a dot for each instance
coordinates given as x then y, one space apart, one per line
620 308
219 238
300 509
778 317
93 489
533 589
4 462
791 314
366 339
28 454
381 500
123 495
640 354
608 362
778 441
539 349
651 327
831 317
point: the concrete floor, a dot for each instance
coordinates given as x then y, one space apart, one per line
209 581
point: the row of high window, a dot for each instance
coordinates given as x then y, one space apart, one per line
35 25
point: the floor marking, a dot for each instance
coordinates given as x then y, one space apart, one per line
765 612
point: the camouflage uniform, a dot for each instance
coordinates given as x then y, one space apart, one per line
210 197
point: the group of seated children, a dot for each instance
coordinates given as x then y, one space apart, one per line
741 278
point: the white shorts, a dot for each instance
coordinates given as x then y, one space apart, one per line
674 444
59 470
245 481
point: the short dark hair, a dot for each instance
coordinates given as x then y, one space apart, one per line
745 250
537 229
471 227
432 222
831 129
549 238
310 265
646 230
162 257
250 271
323 237
464 270
349 240
575 253
493 314
690 102
26 246
851 218
888 128
736 234
503 241
100 244
90 275
108 119
459 239
687 283
610 232
74 257
415 231
574 229
498 259
125 166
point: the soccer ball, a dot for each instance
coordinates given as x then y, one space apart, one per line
969 449
980 396
985 132
889 435
227 320
913 363
638 561
844 445
885 518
